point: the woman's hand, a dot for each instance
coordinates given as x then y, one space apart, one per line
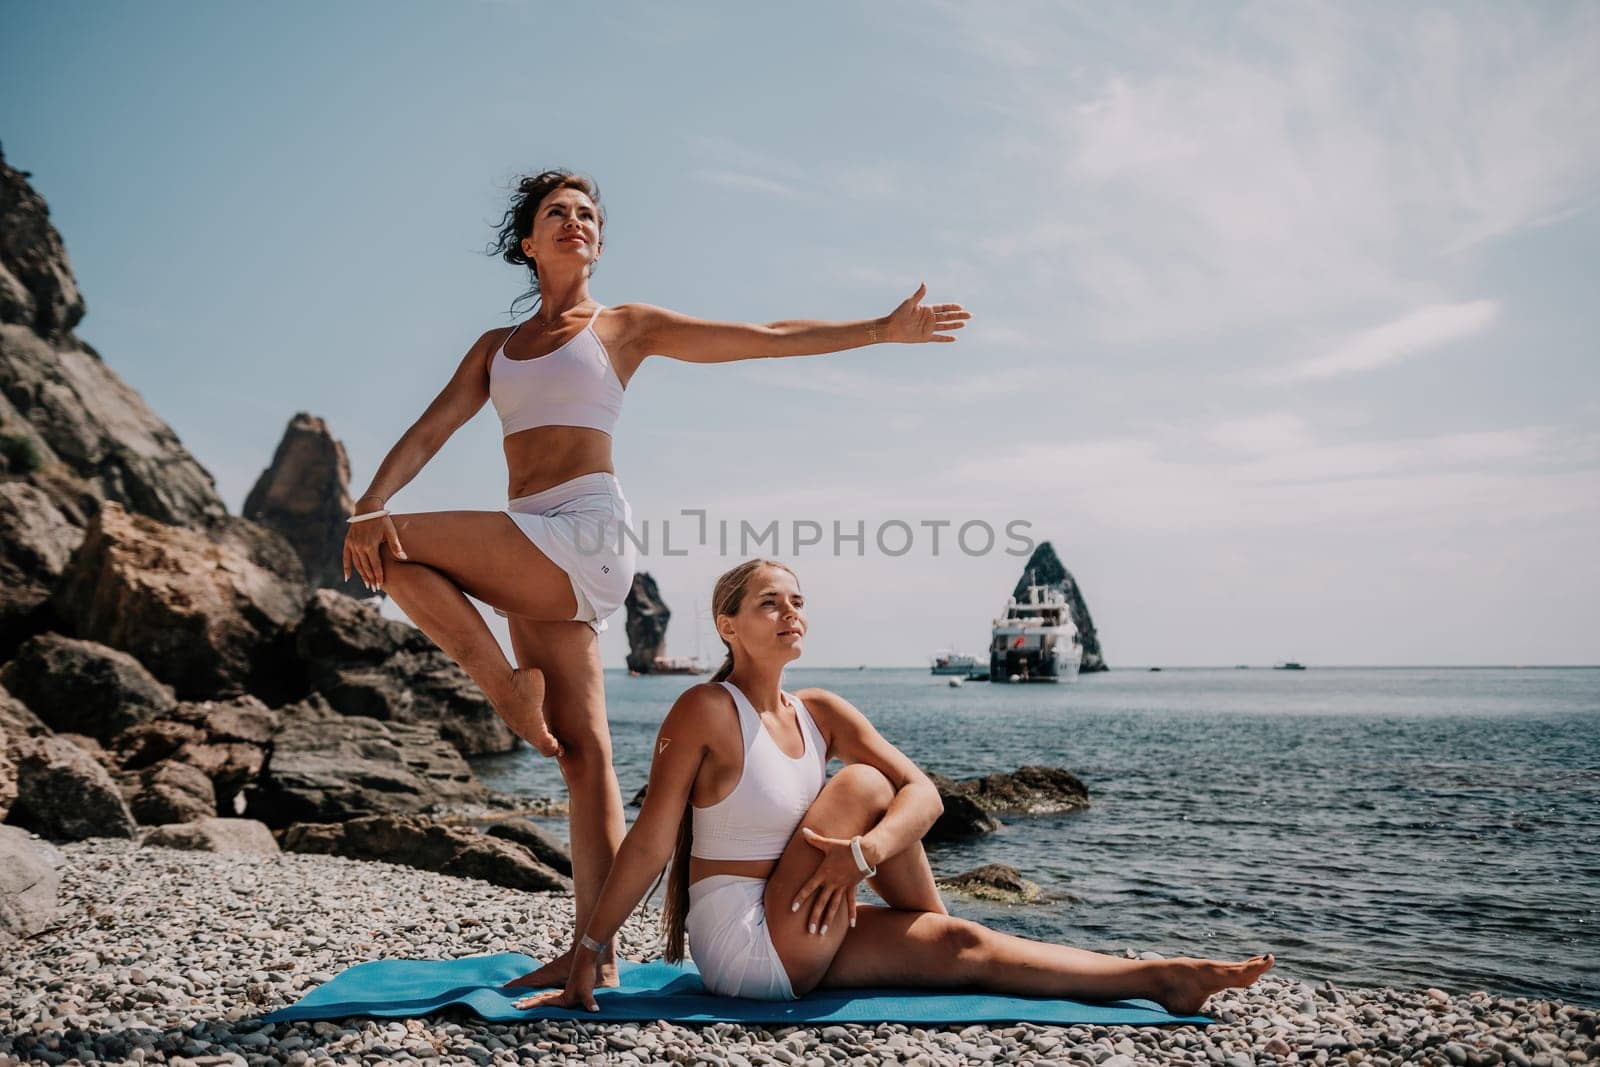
362 546
911 323
832 886
579 992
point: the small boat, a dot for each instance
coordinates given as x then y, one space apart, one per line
1288 665
953 683
948 661
678 665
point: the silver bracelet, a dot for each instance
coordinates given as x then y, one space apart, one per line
368 515
861 861
591 944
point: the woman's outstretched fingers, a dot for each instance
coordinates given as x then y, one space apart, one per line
393 537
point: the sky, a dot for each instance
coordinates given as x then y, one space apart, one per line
1284 324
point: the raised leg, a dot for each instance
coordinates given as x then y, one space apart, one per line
453 554
569 655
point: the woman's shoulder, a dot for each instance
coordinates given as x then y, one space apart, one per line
823 701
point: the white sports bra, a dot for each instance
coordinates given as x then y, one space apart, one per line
757 819
575 385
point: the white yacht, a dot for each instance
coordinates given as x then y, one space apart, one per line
1035 639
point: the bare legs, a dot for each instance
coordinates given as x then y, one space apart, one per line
901 946
451 554
556 694
569 654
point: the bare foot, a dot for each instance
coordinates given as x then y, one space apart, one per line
1188 982
526 718
558 970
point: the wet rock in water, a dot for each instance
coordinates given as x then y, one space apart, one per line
304 494
993 881
203 616
1025 791
962 818
367 665
544 848
85 687
214 834
28 885
64 794
648 616
327 767
170 792
417 841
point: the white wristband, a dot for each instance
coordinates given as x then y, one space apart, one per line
861 861
368 515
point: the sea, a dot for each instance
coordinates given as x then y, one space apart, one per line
1409 827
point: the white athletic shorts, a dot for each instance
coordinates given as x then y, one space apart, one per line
729 940
584 525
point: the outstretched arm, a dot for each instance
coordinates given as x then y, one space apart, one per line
911 814
680 747
668 333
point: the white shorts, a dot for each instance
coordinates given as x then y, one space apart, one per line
584 525
729 939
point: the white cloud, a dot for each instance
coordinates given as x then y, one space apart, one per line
1416 332
1275 432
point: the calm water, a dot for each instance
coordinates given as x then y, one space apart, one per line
1398 827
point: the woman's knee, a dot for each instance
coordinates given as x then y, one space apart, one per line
585 755
964 942
865 783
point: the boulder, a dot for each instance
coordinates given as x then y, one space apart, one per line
29 885
1026 791
37 289
170 792
961 819
648 616
64 794
36 541
213 834
85 687
327 767
993 881
227 740
416 841
305 496
367 665
17 724
544 848
1044 567
205 617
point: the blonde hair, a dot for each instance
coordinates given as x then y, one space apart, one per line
726 598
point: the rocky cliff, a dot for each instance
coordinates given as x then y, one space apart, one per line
304 494
648 616
1044 567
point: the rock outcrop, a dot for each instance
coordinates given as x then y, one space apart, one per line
227 741
431 846
970 805
546 849
648 616
83 687
205 617
36 540
17 724
1044 567
993 881
326 767
304 494
170 792
367 665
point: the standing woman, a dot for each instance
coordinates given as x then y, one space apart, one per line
557 381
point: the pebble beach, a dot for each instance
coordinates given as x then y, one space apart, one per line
172 956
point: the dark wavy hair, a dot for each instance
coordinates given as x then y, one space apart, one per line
517 222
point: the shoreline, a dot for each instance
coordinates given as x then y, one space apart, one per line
168 956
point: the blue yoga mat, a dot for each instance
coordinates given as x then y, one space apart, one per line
405 988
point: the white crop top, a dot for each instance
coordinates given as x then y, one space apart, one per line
575 385
757 819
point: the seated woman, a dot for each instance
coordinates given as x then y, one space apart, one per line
769 851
